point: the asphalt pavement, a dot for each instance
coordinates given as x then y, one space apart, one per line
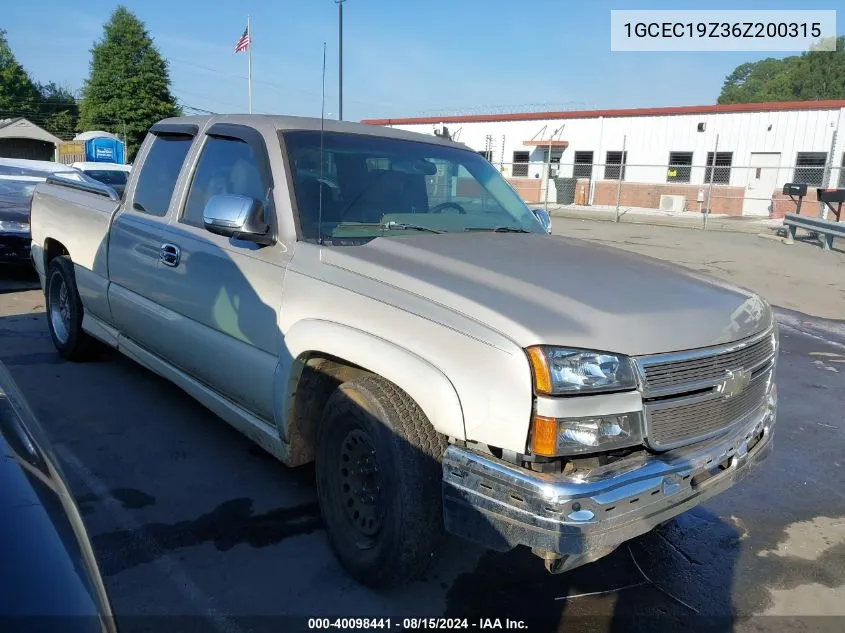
197 529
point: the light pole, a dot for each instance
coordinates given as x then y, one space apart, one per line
339 4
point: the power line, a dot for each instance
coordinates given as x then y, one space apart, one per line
42 102
282 87
212 99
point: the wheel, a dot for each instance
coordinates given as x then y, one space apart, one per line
379 482
64 312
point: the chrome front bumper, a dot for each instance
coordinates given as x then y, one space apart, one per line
584 518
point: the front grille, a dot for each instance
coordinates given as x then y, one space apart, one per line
682 393
676 375
672 425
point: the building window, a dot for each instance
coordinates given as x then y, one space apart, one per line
614 168
487 155
680 166
842 173
554 167
583 167
809 168
520 164
722 169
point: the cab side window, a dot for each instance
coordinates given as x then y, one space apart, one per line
226 166
159 173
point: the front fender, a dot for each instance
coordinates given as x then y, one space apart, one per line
426 384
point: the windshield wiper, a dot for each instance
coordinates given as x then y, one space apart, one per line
497 229
390 226
405 226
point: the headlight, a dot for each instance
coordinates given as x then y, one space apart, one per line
551 437
561 371
11 226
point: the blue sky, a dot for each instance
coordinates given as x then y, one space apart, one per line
401 57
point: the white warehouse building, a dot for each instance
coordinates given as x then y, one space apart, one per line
667 152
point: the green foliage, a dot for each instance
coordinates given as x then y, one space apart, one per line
48 105
18 95
807 77
128 88
58 109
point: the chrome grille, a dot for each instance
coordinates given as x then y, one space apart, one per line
683 393
671 424
689 372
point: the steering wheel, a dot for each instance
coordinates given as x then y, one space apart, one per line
448 205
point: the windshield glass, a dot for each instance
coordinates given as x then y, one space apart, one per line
114 178
372 186
107 176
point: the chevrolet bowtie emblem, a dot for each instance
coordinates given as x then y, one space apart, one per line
735 383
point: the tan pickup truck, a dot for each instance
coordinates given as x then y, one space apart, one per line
384 303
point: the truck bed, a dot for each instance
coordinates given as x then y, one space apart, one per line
76 215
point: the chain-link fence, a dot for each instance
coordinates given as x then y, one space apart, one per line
680 186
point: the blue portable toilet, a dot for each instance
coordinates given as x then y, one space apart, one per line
104 150
102 147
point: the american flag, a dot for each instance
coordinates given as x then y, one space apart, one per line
243 43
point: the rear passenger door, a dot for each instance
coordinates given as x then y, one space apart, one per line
135 236
224 294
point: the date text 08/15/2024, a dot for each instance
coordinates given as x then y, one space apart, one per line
415 623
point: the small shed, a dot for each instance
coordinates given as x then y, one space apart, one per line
20 138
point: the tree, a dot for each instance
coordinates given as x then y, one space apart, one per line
18 95
810 76
48 105
58 110
128 88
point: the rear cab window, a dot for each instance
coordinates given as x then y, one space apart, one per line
159 173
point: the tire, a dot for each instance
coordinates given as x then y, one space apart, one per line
386 524
64 312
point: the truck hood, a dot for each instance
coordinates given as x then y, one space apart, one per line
537 289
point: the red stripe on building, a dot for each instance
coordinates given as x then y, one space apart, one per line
778 106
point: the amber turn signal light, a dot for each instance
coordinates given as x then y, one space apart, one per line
544 436
540 369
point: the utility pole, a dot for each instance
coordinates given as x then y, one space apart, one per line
710 190
828 167
621 169
339 4
549 166
249 62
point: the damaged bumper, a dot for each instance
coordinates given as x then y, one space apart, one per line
581 519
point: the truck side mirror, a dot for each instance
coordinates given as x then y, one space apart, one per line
240 217
544 219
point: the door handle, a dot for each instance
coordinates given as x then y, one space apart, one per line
170 254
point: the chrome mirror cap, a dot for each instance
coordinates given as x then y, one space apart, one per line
237 216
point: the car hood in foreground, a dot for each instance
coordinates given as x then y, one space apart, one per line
13 213
538 289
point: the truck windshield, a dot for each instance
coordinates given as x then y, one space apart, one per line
370 186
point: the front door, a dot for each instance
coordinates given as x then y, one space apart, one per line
224 294
762 181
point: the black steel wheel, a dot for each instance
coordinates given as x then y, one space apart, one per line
360 482
378 482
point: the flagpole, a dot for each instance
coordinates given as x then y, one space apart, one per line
249 62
